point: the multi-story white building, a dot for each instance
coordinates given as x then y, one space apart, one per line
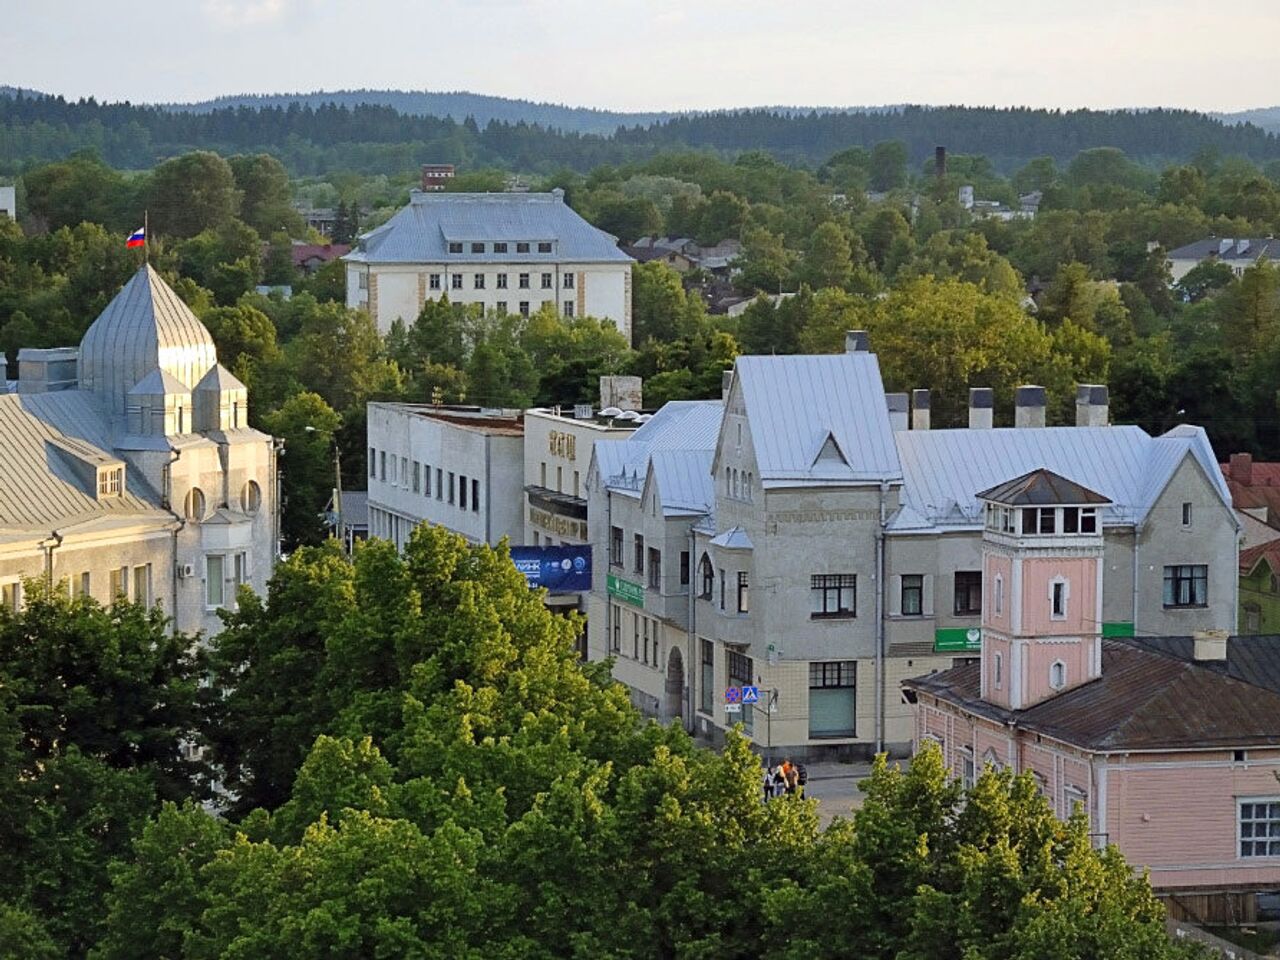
508 252
9 202
129 468
824 552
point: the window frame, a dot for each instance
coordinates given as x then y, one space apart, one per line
637 556
744 592
825 584
653 568
973 579
915 589
1272 817
1175 578
615 546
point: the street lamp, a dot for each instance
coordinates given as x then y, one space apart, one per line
338 531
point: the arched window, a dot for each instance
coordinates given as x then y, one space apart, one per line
1058 675
707 575
251 497
193 508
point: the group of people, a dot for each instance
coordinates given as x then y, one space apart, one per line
785 777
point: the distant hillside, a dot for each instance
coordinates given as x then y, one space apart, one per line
1268 118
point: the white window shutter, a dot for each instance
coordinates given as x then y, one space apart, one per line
926 595
895 596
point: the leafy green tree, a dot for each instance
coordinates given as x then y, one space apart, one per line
194 192
80 188
307 425
886 234
765 262
628 219
266 201
660 308
1248 312
722 218
1183 185
888 165
1204 279
829 262
277 265
23 937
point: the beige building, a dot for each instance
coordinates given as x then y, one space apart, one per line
129 468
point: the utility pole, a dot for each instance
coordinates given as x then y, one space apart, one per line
337 493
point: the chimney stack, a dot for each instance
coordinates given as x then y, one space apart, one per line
1028 410
1091 405
982 402
856 341
625 393
1241 469
919 409
940 162
726 381
1209 645
898 412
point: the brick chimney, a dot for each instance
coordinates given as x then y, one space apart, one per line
1241 469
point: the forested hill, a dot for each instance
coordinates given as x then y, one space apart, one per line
1268 118
380 139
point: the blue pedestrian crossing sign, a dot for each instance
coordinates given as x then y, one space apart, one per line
750 695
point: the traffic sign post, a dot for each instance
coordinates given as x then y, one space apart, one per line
733 699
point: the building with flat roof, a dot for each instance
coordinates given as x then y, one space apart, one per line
9 202
511 252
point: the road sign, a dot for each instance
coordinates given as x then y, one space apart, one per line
750 695
733 708
732 695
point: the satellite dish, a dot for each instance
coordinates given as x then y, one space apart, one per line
645 417
628 415
611 412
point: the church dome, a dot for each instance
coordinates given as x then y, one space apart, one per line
145 328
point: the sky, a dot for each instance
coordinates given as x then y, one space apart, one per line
655 54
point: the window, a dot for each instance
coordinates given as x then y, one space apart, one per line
638 556
455 247
707 677
241 574
568 308
568 281
142 584
214 581
912 594
833 595
644 628
832 698
462 491
655 568
404 471
1057 675
615 546
524 281
999 670
968 769
417 477
1074 795
455 281
180 419
11 596
524 308
502 281
1047 517
1088 519
684 568
722 581
451 486
635 636
500 247
479 281
1186 585
544 247
999 596
501 307
433 281
83 588
439 484
110 481
373 463
477 248
546 281
522 248
193 507
475 496
741 673
968 592
1070 519
617 629
382 466
1058 592
426 479
1186 514
118 583
706 573
364 280
744 592
1260 827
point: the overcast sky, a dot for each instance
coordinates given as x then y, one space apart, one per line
655 54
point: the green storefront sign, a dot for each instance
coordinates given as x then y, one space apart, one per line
957 640
626 591
1121 629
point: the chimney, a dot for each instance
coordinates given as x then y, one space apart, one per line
1241 469
625 393
1209 645
726 381
48 370
557 194
1091 405
919 409
940 162
1028 407
855 341
898 415
982 402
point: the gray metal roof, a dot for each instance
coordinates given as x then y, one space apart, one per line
158 383
219 378
146 326
1242 249
945 469
422 231
1041 488
796 404
675 447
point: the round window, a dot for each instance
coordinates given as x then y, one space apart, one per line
251 497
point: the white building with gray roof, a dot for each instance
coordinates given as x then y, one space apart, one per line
130 469
1238 253
508 252
838 550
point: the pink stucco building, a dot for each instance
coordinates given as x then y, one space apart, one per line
1171 745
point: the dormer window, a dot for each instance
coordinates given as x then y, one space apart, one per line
1088 519
522 248
477 248
110 482
455 247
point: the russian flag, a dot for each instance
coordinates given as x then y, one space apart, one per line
137 239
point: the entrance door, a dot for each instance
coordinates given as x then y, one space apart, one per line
673 707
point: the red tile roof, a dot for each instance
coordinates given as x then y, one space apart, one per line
302 252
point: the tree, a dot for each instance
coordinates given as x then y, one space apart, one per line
1248 312
886 233
765 262
191 193
307 425
1205 278
22 935
266 202
277 265
829 262
660 309
888 165
628 219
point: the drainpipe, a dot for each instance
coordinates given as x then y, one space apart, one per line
277 448
880 652
488 493
1137 537
608 568
166 500
692 672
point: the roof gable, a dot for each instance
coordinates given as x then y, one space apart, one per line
1041 488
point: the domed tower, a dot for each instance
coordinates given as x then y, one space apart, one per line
222 401
145 328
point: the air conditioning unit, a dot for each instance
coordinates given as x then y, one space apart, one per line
186 570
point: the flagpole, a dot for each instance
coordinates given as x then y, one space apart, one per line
146 237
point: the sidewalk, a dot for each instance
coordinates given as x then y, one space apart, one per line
835 787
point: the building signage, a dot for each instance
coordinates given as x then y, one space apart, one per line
957 640
626 591
1119 629
558 569
560 444
561 526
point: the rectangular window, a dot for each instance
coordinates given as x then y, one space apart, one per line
1186 585
707 678
644 626
741 673
1259 823
1070 519
999 670
241 569
455 247
502 281
722 579
119 583
912 594
462 491
426 479
214 581
832 698
455 281
451 486
439 484
684 568
364 280
475 496
524 308
417 477
568 308
433 281
1047 516
501 307
655 568
546 281
833 595
968 592
109 482
615 546
142 584
638 556
544 247
744 592
1186 514
1088 519
382 466
373 462
999 596
1059 600
522 248
617 629
479 281
968 769
500 247
404 471
568 281
86 585
477 248
524 281
1029 515
635 636
11 595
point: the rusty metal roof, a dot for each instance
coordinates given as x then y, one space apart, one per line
1041 488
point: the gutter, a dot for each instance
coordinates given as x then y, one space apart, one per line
166 500
692 723
879 629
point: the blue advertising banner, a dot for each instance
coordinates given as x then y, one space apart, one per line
558 569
